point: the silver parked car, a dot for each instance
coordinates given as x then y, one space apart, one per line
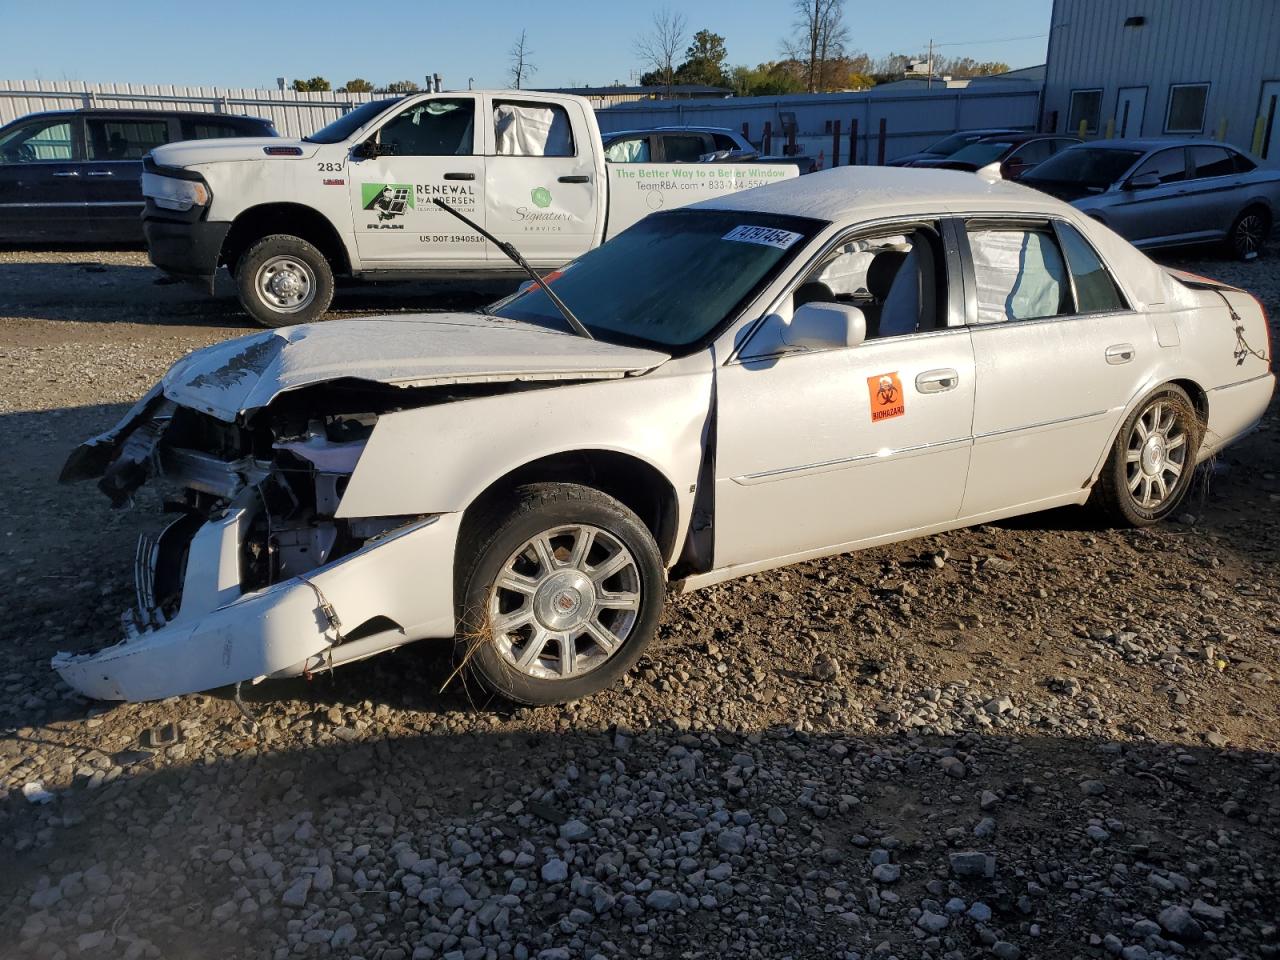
1158 193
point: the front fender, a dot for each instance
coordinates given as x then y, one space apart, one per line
438 459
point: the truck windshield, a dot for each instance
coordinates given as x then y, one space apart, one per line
349 123
672 279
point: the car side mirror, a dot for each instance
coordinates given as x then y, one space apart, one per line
1144 181
825 325
367 150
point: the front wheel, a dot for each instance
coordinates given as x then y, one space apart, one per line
560 594
1153 459
284 280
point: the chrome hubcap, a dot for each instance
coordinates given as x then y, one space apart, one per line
564 602
286 284
1155 455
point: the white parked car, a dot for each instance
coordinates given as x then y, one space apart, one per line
848 359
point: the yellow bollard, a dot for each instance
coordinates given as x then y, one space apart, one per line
1084 129
1222 130
1259 129
1111 128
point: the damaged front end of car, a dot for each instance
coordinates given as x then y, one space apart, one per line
257 576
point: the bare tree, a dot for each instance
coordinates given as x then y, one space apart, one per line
820 38
521 67
660 48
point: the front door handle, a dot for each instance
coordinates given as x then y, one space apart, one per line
101 173
459 176
937 381
575 178
67 173
1120 353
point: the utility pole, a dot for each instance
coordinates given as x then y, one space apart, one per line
930 67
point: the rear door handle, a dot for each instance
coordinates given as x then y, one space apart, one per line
937 381
67 173
459 176
1120 353
575 178
101 173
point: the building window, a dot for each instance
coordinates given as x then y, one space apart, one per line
1086 105
1186 108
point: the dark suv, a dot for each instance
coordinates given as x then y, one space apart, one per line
73 175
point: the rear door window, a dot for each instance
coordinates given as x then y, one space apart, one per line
1212 162
629 150
1169 165
124 138
684 148
210 130
1036 151
532 130
1020 273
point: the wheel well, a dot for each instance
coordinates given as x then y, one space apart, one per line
1261 207
629 480
293 219
1199 399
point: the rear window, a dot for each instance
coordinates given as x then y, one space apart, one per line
125 138
1212 162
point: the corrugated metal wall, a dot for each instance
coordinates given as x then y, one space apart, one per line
913 119
294 114
1233 45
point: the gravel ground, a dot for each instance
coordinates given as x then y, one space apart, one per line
1042 738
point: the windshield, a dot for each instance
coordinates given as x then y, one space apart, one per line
349 123
672 279
1086 166
981 153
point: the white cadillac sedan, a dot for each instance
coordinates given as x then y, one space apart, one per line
851 358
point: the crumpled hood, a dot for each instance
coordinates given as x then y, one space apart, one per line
238 376
188 153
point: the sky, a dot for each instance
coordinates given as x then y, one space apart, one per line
233 43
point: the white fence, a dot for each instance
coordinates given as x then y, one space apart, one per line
912 119
294 114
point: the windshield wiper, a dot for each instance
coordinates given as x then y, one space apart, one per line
514 255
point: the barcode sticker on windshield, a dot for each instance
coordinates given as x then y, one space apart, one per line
766 236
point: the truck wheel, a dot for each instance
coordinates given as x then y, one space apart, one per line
284 280
1152 460
560 592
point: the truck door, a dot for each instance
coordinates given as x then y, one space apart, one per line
431 148
541 189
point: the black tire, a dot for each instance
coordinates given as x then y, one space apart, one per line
308 269
493 538
1247 239
1115 492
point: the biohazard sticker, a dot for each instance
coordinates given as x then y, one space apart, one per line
887 400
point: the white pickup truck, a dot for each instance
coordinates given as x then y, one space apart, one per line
356 198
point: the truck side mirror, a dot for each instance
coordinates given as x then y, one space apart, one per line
825 325
367 150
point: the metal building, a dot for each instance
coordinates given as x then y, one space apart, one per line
1149 68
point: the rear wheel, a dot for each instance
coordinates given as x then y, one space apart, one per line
1248 236
284 280
1153 459
561 594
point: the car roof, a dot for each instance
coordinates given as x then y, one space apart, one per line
113 111
670 129
1025 137
859 193
1155 143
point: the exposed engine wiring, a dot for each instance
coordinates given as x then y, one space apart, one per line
1243 349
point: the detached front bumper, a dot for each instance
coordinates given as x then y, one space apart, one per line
393 590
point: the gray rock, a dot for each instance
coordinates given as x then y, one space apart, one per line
296 895
555 870
979 912
971 863
887 873
1006 950
730 841
1093 788
931 922
953 767
1178 923
574 830
663 900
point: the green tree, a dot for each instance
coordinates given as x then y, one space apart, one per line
772 79
358 85
314 85
399 86
704 60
